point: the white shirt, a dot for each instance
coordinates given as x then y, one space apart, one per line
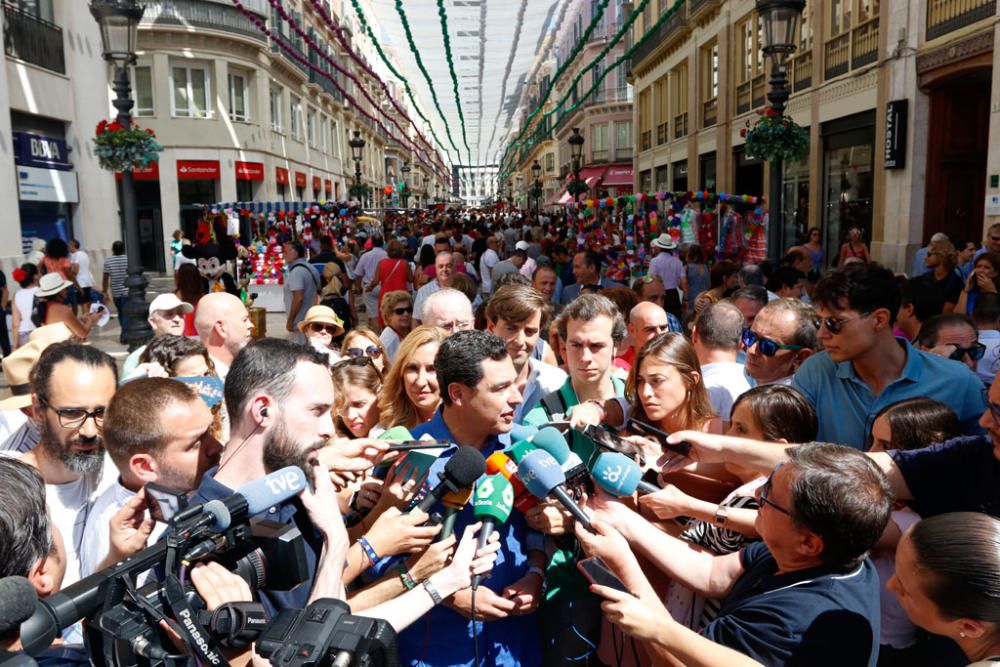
21 440
83 275
10 422
896 628
725 382
368 264
489 259
221 369
24 299
96 541
987 367
390 341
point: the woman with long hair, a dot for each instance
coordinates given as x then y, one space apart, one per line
410 393
982 280
177 356
854 248
363 342
942 259
189 287
51 307
358 386
24 300
814 246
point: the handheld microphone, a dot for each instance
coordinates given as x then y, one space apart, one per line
500 463
542 476
403 440
460 472
519 450
250 499
554 442
519 432
453 502
494 498
619 475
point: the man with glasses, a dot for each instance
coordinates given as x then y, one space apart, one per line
952 336
864 367
992 243
782 336
71 386
444 266
449 309
166 316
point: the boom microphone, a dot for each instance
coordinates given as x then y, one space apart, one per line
543 476
494 498
619 475
460 472
500 463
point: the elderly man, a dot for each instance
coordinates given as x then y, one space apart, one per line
166 316
782 336
645 322
665 265
444 267
449 309
224 327
952 336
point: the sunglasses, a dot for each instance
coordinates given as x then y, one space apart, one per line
834 325
765 346
317 327
403 311
765 490
975 352
353 361
372 351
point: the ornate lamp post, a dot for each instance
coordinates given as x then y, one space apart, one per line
536 172
780 19
406 187
119 24
576 153
357 145
425 195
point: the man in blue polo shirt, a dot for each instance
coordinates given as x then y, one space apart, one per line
806 595
865 368
479 397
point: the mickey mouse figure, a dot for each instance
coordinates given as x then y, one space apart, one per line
211 256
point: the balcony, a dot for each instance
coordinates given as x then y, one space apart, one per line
622 154
801 71
292 44
710 112
759 91
325 84
681 125
33 40
647 137
202 14
662 133
944 16
599 155
671 30
750 94
851 50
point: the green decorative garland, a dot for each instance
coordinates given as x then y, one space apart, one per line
577 188
775 137
451 70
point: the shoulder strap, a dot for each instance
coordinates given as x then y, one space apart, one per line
554 404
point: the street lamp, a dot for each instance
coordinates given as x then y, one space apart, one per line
780 19
536 172
119 24
406 186
576 153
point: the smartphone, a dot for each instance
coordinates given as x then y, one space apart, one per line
410 445
605 439
642 428
597 572
164 503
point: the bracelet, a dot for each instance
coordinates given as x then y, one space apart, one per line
432 591
369 551
406 577
534 569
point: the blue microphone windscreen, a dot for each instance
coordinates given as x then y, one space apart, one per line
540 473
554 442
266 492
616 474
520 432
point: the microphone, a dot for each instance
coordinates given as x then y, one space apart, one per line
619 475
453 501
542 476
520 432
554 442
494 497
250 499
519 450
460 472
17 603
500 463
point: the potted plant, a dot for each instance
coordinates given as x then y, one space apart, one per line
121 148
775 137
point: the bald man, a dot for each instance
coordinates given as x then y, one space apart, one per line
645 322
449 309
224 327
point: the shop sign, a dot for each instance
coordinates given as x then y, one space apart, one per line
189 170
36 150
34 184
329 187
249 171
151 172
896 114
281 175
300 179
317 183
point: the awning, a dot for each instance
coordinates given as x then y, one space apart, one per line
565 199
588 175
618 175
554 198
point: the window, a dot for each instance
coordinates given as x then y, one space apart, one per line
142 81
710 72
238 97
311 127
190 84
322 133
623 134
276 94
550 162
599 142
334 139
295 118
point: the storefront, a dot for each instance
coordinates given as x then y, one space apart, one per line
618 180
300 185
249 180
707 171
149 212
46 187
282 181
848 183
795 201
748 173
197 185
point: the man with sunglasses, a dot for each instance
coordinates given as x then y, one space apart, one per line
782 336
71 387
992 242
864 367
952 336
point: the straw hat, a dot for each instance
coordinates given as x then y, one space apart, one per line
52 283
666 242
18 364
323 315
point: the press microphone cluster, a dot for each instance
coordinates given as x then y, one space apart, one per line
619 476
460 472
542 475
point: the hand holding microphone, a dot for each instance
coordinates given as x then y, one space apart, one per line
492 506
543 476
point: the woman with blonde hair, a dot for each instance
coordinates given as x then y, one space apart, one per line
410 394
363 342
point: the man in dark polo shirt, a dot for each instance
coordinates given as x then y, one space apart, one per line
279 396
806 594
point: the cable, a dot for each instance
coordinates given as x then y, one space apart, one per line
475 632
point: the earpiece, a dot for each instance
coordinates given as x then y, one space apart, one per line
263 412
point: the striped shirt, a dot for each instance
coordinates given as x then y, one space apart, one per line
116 266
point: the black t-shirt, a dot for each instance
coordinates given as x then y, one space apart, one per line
952 286
958 475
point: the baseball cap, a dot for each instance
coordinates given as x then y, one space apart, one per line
169 301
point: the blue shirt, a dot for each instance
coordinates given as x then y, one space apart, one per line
817 616
959 475
846 406
443 637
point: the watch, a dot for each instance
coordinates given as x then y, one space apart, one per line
721 514
432 591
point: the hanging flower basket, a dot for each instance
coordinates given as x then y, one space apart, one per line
359 191
119 148
577 188
775 137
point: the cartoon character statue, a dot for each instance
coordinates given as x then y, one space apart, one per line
211 255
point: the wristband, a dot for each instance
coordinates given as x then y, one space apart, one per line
534 569
406 577
432 591
370 553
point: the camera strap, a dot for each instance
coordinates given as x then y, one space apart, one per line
193 632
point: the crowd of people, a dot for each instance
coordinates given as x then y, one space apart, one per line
819 444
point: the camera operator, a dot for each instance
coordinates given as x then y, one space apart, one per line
279 396
156 430
806 594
